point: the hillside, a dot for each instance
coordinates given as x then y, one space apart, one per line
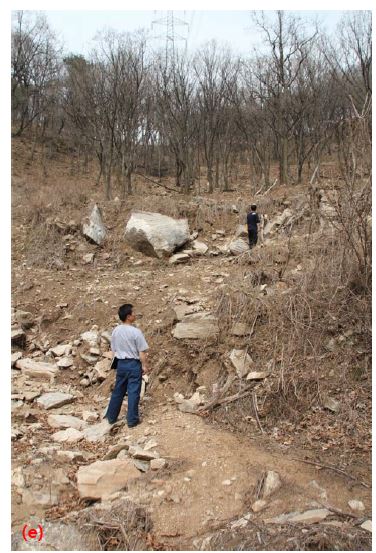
298 305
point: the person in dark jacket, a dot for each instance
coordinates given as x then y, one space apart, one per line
252 221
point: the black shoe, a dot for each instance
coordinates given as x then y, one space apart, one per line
133 425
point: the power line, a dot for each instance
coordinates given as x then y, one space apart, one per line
170 22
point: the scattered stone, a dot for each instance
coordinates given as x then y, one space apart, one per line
37 369
65 363
35 497
259 505
157 464
113 452
272 483
199 248
24 318
331 404
277 222
102 478
226 483
142 466
150 444
90 359
238 246
52 400
356 505
69 435
97 432
257 375
67 455
178 258
57 537
18 338
88 258
186 406
61 349
66 421
183 310
241 522
156 235
95 230
15 357
196 326
311 516
90 416
138 453
367 525
92 337
241 361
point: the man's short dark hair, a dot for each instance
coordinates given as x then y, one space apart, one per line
124 311
253 207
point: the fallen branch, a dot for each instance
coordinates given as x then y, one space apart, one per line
216 402
330 467
272 186
154 182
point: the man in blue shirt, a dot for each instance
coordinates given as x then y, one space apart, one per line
252 221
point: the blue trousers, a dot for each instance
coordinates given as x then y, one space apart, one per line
128 379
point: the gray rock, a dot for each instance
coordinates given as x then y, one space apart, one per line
91 337
156 235
90 416
88 258
61 349
178 258
182 310
37 369
331 404
272 483
113 452
66 455
70 435
95 230
259 505
18 338
24 318
15 357
138 453
367 525
66 421
241 361
257 375
102 478
57 537
65 363
52 400
199 248
157 464
39 497
142 466
356 505
97 432
197 326
238 246
277 222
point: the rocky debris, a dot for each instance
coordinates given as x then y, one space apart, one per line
90 416
39 497
238 246
331 404
178 258
259 505
186 406
69 435
356 505
91 337
88 258
241 522
68 456
257 375
142 466
196 248
15 433
196 326
367 525
241 361
95 230
240 329
113 452
89 359
226 483
157 464
61 350
66 421
272 483
102 478
156 235
182 310
18 338
308 517
37 369
52 400
241 231
65 363
277 222
15 357
97 432
138 453
24 318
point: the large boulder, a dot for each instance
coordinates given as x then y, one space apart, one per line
37 369
156 235
52 400
95 230
277 222
102 478
238 246
196 326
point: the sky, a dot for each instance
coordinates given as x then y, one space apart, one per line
78 28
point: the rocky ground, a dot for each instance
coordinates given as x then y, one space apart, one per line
183 479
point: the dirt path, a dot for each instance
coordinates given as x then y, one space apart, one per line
193 496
